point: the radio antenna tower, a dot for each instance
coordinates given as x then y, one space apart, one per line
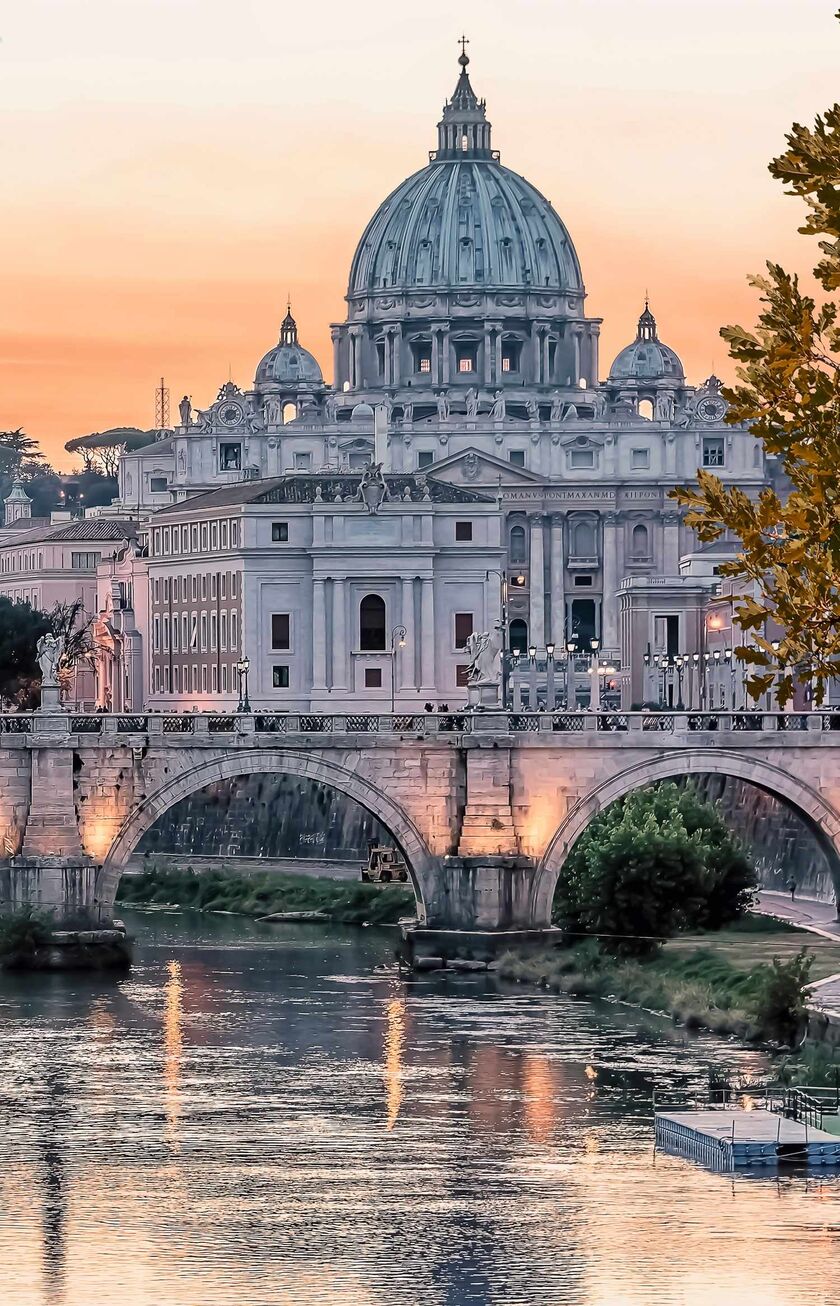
162 406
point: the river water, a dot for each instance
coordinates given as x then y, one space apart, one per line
256 1116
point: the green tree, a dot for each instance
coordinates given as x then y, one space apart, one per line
654 863
788 391
21 626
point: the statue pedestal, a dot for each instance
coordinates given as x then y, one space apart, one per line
50 699
484 694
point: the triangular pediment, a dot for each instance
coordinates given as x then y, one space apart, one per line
477 467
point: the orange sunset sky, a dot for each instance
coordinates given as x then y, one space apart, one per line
172 167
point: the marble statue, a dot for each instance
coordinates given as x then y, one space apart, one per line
443 406
663 409
273 412
556 407
408 413
533 407
472 402
497 412
600 404
483 651
184 410
50 651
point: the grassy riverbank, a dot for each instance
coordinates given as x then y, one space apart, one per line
261 895
739 981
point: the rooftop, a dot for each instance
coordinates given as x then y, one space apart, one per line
328 488
95 530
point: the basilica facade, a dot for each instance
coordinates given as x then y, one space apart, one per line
517 469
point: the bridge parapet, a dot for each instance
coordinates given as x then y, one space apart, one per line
177 725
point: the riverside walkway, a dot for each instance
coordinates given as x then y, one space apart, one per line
818 918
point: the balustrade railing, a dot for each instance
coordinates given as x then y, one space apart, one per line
492 721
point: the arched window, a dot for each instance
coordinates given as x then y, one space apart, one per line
640 541
517 544
372 624
518 632
646 409
289 413
583 540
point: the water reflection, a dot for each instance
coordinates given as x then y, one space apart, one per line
255 1118
394 1041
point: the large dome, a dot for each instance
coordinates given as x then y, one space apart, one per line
647 359
288 364
464 220
465 223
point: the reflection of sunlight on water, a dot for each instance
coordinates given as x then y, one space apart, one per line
172 1043
539 1109
393 1071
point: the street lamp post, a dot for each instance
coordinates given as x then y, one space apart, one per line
549 677
397 641
503 601
680 660
595 683
571 692
532 678
243 666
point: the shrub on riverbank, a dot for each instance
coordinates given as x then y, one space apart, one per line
655 863
347 901
700 990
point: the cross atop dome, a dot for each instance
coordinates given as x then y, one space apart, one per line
463 131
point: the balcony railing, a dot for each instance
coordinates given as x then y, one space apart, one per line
357 725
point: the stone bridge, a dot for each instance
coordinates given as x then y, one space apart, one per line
484 806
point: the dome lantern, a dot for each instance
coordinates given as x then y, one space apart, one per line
648 361
463 131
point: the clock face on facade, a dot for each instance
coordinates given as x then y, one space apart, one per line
711 409
230 414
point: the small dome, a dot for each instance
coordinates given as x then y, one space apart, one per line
362 413
288 363
647 359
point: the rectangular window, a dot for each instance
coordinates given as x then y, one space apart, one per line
194 538
234 632
223 632
214 535
214 630
583 582
204 586
461 676
234 534
157 485
194 631
204 538
224 677
223 585
373 677
157 680
84 561
233 584
185 635
166 681
213 586
516 457
156 591
204 677
185 539
280 630
423 358
463 531
466 363
176 679
223 534
175 639
230 457
195 678
280 677
214 679
204 632
194 588
303 462
156 636
505 368
639 458
582 458
713 451
425 458
166 540
279 532
463 628
166 634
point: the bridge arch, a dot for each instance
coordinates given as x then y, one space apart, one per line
228 766
818 814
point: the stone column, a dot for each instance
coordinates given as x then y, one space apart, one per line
386 357
576 355
319 635
498 351
594 362
558 581
487 827
339 635
336 344
671 549
545 351
609 601
409 660
396 367
488 356
435 356
427 635
536 623
51 829
535 352
444 344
